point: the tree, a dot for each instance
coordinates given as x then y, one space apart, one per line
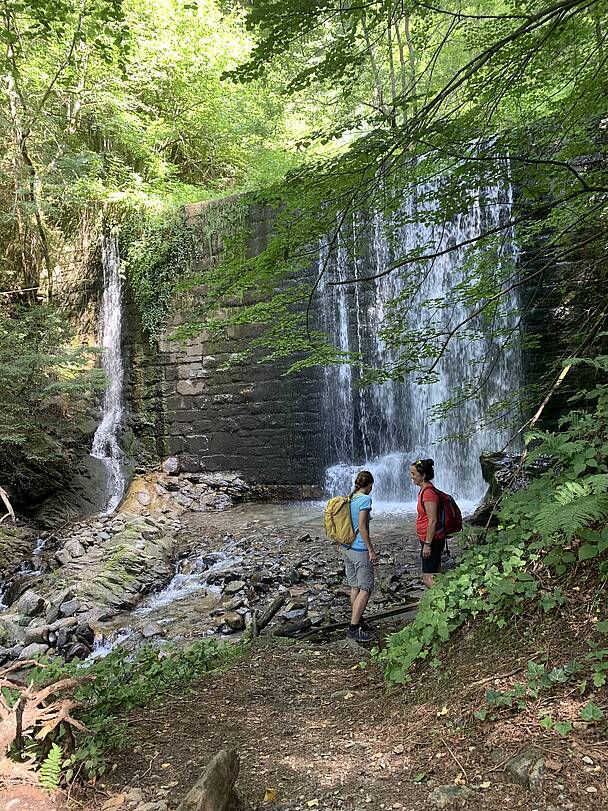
508 94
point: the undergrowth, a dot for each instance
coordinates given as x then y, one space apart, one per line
549 532
122 681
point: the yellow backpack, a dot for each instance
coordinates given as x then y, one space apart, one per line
338 520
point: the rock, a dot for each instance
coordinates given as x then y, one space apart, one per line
233 604
69 608
37 633
63 557
77 650
293 628
152 629
143 498
450 796
234 587
35 649
30 604
234 621
74 548
526 769
5 654
214 788
171 466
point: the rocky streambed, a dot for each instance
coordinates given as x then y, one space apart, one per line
165 570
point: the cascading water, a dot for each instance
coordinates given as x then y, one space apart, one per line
384 427
105 442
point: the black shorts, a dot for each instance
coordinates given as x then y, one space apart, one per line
432 564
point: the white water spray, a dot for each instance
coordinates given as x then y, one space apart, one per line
385 427
105 442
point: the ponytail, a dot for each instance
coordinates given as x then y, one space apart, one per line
364 478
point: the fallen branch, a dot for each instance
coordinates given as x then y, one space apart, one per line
10 512
260 621
337 626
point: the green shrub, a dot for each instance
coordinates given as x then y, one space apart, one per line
559 521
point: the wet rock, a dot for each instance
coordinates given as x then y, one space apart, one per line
152 629
234 604
30 604
450 796
5 655
77 650
35 649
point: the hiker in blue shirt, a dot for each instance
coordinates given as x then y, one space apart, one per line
360 557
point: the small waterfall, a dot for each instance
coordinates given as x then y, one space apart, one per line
105 442
383 427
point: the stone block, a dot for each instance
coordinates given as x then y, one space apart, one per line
186 387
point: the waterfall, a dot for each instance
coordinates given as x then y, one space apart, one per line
384 427
105 442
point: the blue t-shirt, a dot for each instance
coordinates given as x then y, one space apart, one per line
358 503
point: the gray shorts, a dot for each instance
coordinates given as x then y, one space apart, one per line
359 570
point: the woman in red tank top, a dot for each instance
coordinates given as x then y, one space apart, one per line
422 472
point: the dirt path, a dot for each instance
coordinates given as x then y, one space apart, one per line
323 733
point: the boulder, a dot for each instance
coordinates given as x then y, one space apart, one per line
35 649
69 608
213 791
234 587
30 604
37 633
526 768
74 548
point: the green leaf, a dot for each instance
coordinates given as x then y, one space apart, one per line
591 712
587 551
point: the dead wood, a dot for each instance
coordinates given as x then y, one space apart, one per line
262 620
10 512
29 711
337 626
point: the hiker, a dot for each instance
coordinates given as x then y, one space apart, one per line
432 540
360 557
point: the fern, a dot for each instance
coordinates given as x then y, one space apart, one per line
573 515
50 771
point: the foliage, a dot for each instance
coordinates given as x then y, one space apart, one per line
110 100
46 381
446 102
50 771
122 681
523 561
160 251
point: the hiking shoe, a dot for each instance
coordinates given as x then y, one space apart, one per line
367 627
360 635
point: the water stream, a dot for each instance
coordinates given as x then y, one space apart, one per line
105 442
384 427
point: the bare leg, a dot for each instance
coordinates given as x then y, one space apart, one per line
359 605
428 580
